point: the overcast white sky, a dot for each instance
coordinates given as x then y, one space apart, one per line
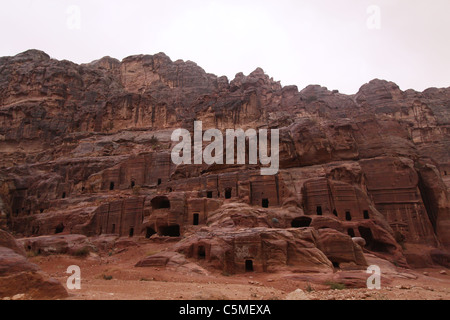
340 44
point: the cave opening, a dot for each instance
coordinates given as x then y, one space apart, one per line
366 214
170 231
301 222
131 233
64 195
59 228
196 217
380 246
371 243
209 194
161 202
335 212
201 252
348 216
111 186
351 232
133 184
265 203
149 232
228 193
159 181
113 228
319 210
336 265
249 265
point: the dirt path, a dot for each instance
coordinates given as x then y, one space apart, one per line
114 277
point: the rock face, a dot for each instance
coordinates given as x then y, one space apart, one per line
85 149
258 249
19 276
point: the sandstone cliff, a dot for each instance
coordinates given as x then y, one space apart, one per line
85 149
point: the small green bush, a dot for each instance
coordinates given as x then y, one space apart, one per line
335 285
309 288
83 252
154 141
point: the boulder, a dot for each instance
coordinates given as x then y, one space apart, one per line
20 277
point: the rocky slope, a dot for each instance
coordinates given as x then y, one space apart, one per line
85 149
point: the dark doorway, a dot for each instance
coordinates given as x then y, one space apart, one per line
366 233
159 181
201 252
336 265
366 214
209 194
111 186
133 184
301 222
228 193
64 195
59 228
149 232
131 233
265 203
161 202
196 219
319 210
249 265
348 216
351 233
113 229
371 243
170 231
335 212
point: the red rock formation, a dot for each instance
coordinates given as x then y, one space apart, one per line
19 276
85 149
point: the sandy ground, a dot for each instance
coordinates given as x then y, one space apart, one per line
114 277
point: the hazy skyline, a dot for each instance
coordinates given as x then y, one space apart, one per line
339 44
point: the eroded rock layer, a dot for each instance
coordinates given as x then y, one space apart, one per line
85 149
